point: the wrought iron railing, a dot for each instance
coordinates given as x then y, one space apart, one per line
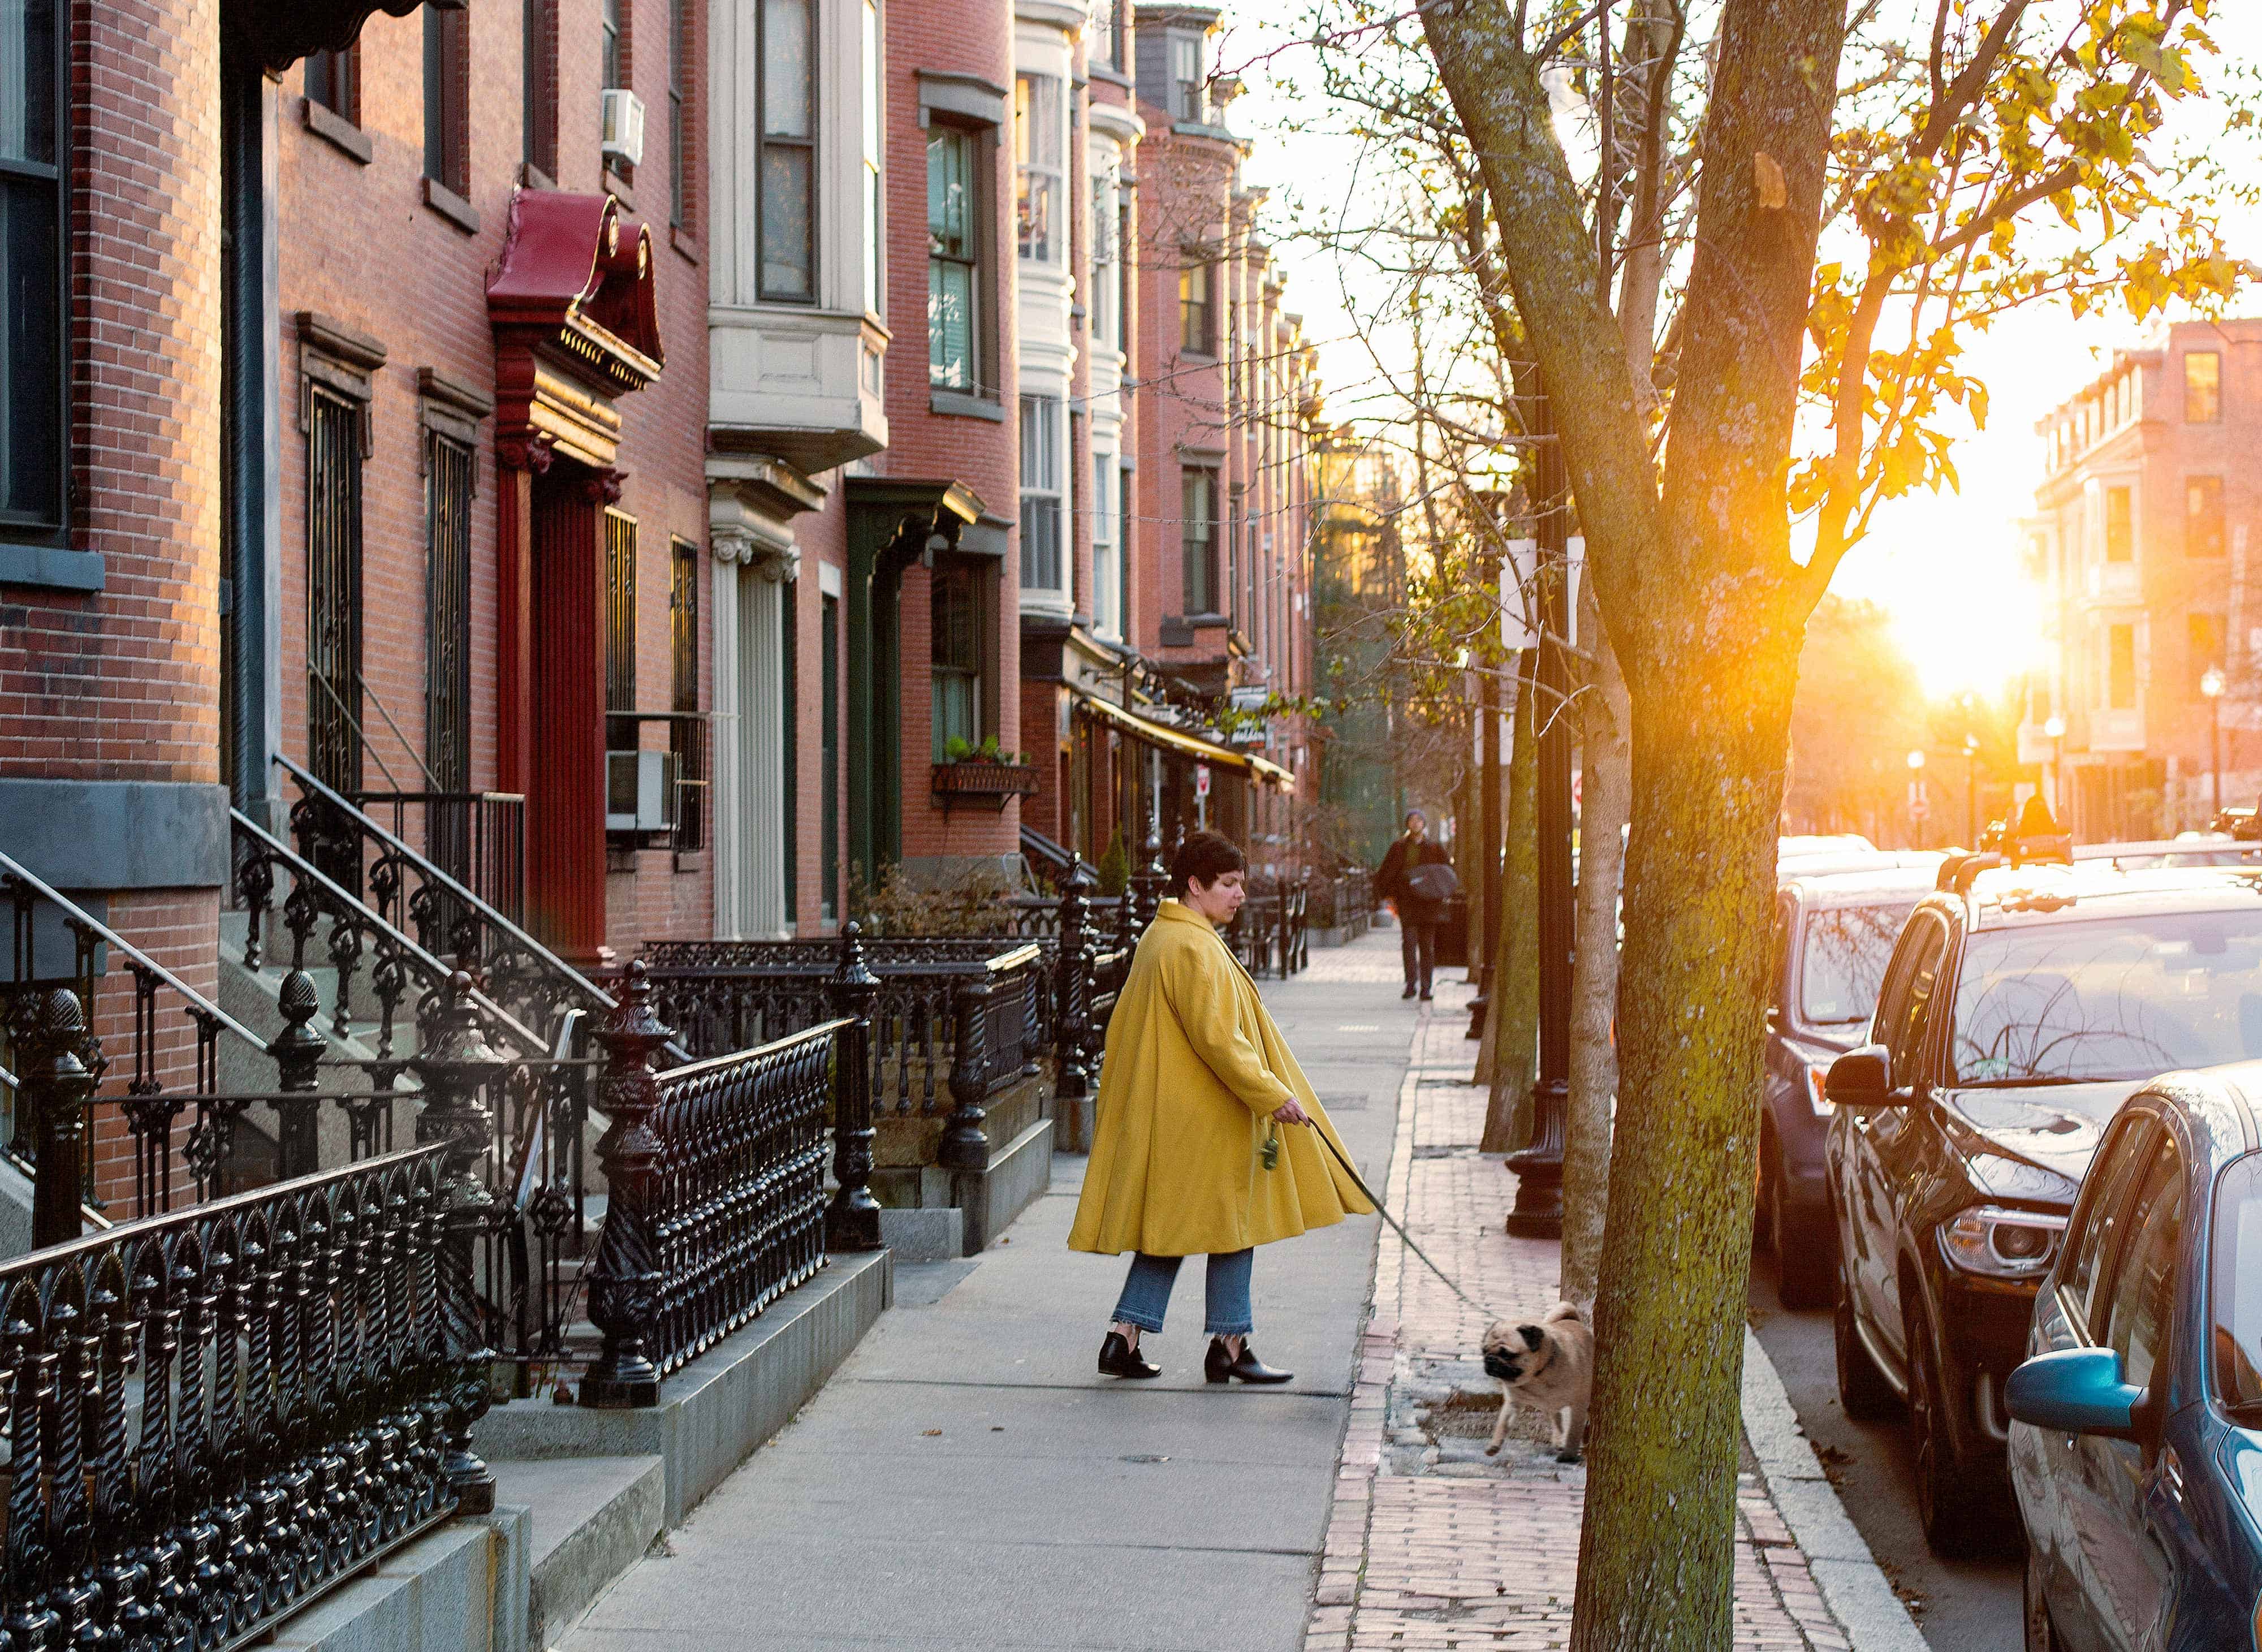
477 838
728 995
215 1416
198 1141
414 895
718 1203
1271 934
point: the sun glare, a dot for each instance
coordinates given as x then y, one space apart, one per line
1966 619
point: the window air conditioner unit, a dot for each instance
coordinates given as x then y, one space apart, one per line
623 126
639 791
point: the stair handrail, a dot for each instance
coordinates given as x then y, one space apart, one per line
529 1042
597 998
78 916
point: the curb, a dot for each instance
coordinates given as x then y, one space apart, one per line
1852 1584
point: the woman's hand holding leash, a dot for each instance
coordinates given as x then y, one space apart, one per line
1291 1112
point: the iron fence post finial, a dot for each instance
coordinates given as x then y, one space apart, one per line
1072 986
56 1086
852 1221
625 1279
457 1067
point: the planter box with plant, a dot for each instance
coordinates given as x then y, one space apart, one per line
982 774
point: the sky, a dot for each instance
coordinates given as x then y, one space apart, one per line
1945 565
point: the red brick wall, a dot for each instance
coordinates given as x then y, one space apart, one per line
359 244
968 37
124 684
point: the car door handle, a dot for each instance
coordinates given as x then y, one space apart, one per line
2170 1474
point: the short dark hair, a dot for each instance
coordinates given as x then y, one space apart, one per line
1204 858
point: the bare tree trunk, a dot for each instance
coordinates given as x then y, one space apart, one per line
1606 797
1512 1024
1705 606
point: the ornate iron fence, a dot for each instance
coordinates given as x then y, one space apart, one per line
728 995
477 838
716 1173
305 1367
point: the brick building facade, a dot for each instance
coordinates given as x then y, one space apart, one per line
529 404
2144 540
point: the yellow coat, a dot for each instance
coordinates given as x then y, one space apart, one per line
1195 1066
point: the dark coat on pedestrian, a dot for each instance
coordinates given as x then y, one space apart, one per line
1403 855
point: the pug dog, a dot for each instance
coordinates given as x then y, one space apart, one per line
1550 1364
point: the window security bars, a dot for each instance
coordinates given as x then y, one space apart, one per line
309 1369
687 737
449 468
620 629
334 605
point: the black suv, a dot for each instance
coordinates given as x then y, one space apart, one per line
1834 936
2022 1006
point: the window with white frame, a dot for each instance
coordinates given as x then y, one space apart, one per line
1106 573
1039 146
875 222
786 175
1100 236
1104 36
1042 561
1189 98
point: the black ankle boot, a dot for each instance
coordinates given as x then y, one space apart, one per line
1218 1366
1118 1359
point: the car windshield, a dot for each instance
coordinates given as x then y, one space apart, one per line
1844 958
2109 998
2238 1350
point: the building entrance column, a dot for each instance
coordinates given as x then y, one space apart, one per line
754 574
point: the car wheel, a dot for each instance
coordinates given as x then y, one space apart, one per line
2040 1636
1863 1394
1805 1268
1964 1506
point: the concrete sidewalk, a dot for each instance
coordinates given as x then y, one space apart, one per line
966 1482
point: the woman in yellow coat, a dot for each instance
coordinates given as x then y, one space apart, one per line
1189 1156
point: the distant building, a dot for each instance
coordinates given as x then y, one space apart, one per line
2143 540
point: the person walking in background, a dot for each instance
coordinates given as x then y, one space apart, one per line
1418 910
1189 1155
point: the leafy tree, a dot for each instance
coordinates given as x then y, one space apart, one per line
1958 160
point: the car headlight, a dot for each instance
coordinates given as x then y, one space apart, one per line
2002 1244
1817 1080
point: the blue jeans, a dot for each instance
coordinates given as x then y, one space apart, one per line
1147 1291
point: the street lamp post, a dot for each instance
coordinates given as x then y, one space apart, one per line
2056 729
2210 684
1972 790
1918 807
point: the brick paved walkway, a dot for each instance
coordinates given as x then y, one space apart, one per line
1431 1544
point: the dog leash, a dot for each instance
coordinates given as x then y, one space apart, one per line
1383 1211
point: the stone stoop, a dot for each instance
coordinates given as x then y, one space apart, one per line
713 1414
593 1517
581 1496
934 1214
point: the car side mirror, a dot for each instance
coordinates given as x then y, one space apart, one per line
1861 1080
2074 1391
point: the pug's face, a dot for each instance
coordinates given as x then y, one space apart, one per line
1508 1347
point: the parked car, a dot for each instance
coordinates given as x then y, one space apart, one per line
2022 1008
1834 936
2135 1446
2211 850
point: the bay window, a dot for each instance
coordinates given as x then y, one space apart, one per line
1106 570
1042 560
1100 236
1038 145
786 182
954 227
34 413
873 238
1189 99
